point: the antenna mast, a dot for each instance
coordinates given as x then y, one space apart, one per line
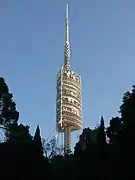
67 44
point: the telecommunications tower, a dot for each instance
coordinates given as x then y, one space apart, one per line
69 96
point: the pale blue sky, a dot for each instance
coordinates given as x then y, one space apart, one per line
102 35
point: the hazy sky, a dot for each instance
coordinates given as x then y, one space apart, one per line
102 36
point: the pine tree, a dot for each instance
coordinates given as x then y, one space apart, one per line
101 138
8 113
38 141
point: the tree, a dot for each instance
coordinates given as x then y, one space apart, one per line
18 133
38 141
51 148
87 139
113 130
127 140
101 138
127 111
8 113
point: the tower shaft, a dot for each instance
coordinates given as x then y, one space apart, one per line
67 131
67 139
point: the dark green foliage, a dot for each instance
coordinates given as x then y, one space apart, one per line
18 133
8 112
87 140
101 138
127 111
100 153
38 141
113 130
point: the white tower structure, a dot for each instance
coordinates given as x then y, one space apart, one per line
69 96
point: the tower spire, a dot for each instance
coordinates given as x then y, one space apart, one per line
67 44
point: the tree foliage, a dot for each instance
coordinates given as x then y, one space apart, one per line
38 141
102 152
8 112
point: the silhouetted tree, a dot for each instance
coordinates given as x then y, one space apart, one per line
8 113
52 148
94 157
127 110
127 135
38 141
101 138
113 130
87 139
